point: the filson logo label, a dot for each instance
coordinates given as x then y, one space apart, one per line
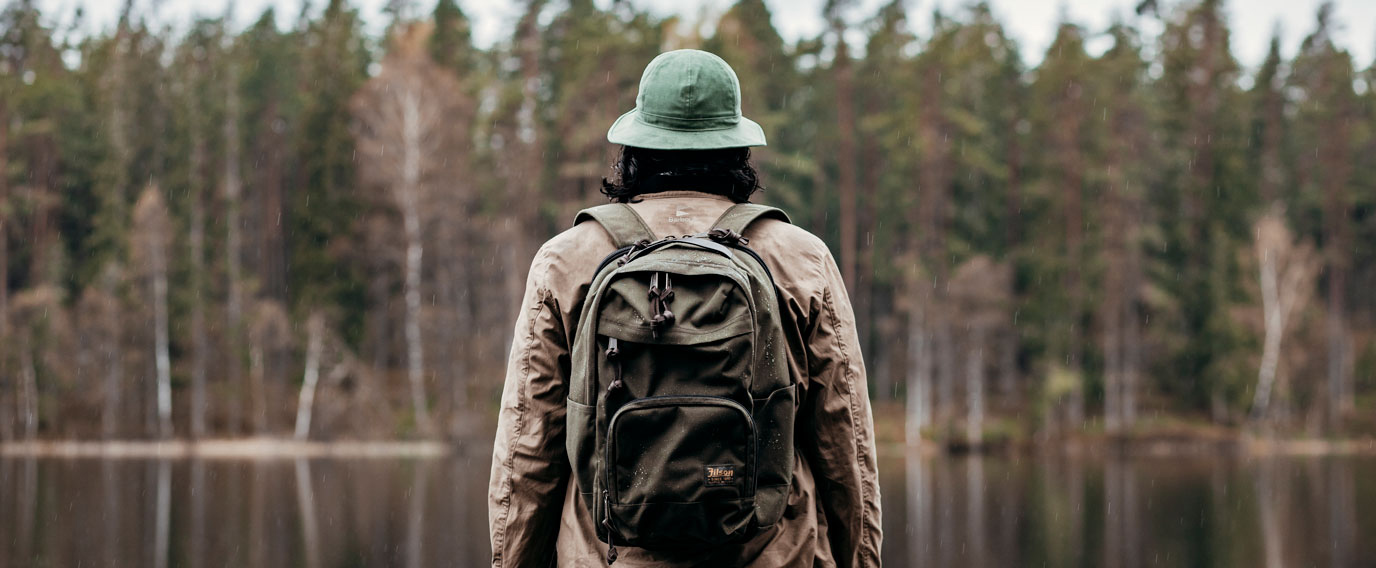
680 216
721 474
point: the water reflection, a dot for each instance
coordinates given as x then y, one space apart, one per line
313 513
938 511
1059 510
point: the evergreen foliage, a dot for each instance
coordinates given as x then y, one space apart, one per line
1081 233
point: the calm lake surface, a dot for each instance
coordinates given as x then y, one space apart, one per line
938 511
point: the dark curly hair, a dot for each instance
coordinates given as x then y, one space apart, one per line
724 172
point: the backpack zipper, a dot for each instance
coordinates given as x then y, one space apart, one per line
641 403
607 522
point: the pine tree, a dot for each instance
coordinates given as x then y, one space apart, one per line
451 44
1203 210
1123 147
1268 126
1323 75
1061 88
842 75
886 138
324 207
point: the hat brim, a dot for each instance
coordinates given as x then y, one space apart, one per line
630 130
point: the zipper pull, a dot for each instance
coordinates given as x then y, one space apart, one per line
607 522
612 353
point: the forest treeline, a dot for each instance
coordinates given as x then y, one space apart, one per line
209 231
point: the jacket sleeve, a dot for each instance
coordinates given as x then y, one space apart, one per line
529 464
837 426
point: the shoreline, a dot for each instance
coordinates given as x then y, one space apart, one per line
1242 446
227 448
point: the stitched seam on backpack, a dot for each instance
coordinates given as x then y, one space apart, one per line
499 540
852 411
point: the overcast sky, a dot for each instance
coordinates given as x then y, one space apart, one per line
1030 22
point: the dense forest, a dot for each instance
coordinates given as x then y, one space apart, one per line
209 232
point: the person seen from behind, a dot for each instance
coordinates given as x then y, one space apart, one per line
685 385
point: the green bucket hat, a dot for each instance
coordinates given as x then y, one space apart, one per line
688 100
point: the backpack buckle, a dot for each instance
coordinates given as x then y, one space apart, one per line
727 237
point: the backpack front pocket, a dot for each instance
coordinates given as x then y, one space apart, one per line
680 470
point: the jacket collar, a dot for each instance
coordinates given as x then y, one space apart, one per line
680 193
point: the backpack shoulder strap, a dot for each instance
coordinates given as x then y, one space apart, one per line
621 222
741 215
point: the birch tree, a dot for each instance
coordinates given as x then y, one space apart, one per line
405 139
152 231
1286 271
979 290
315 327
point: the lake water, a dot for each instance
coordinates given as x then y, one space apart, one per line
938 511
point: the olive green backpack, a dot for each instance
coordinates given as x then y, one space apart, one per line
680 408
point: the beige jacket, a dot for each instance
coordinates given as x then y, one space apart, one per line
535 515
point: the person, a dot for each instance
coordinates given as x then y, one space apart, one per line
685 159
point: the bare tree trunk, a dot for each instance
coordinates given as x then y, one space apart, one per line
932 216
234 302
919 403
379 295
458 318
200 342
1337 166
1067 139
1338 400
314 329
6 421
28 388
527 171
258 387
114 355
272 275
1008 360
845 124
945 347
974 388
6 426
409 194
1131 334
821 188
164 362
1113 351
1270 351
1008 341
